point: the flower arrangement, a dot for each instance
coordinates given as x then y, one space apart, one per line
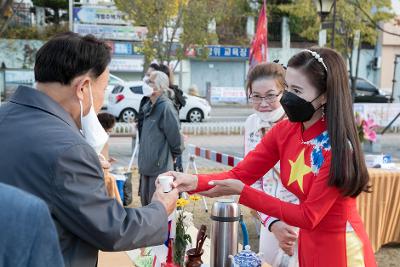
366 128
183 221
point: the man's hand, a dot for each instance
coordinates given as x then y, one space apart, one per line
224 188
104 162
112 160
167 199
183 182
286 236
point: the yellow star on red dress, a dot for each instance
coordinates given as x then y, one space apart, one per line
299 169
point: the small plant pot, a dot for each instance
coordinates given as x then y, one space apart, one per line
194 260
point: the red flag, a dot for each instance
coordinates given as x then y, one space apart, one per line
259 45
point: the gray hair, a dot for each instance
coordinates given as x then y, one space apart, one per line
161 81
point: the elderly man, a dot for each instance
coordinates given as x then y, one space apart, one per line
44 139
160 141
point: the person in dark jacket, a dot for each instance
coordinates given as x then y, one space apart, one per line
28 237
179 102
177 98
160 142
50 141
145 99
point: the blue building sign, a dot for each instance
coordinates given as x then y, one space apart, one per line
126 48
228 51
123 48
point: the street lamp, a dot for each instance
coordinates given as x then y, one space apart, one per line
324 7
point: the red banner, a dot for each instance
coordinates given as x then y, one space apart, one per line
259 45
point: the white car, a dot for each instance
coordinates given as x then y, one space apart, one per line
112 82
196 109
124 102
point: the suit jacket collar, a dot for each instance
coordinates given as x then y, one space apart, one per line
33 98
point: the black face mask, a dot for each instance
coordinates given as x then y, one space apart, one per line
297 109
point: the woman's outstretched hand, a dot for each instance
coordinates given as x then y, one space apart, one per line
224 188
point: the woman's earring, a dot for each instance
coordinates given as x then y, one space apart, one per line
323 113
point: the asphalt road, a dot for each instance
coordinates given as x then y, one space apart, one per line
226 114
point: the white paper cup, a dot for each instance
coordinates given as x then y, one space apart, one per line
166 182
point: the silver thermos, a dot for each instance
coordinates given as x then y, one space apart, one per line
225 215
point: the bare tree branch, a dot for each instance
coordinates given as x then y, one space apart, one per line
4 4
174 30
371 20
160 34
5 25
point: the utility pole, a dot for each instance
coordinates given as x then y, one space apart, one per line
71 15
333 25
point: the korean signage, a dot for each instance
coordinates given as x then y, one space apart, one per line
99 15
126 48
123 48
125 33
216 51
126 64
228 51
228 95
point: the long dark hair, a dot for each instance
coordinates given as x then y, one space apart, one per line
348 170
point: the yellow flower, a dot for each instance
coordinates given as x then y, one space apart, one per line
182 202
194 197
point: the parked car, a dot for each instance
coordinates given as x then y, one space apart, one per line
124 102
112 82
366 92
196 109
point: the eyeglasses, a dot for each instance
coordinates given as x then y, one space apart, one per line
270 98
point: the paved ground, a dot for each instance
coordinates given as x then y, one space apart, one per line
230 113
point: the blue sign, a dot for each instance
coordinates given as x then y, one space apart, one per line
123 48
126 48
228 51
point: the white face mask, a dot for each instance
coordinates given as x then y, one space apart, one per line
92 130
267 118
147 89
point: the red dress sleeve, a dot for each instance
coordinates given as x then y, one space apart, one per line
255 165
308 213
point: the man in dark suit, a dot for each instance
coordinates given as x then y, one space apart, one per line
44 139
28 235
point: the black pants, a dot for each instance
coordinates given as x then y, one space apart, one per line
147 189
178 164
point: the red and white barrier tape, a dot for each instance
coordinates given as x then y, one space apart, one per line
213 155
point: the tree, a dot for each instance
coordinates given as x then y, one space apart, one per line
5 7
355 28
9 8
173 26
55 5
231 21
356 22
6 13
303 18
